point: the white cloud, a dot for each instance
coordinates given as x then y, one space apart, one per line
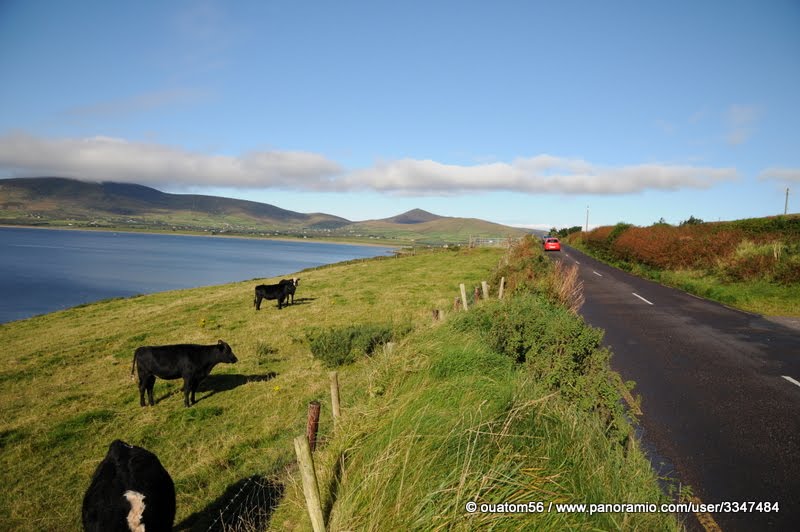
741 121
781 174
542 174
110 159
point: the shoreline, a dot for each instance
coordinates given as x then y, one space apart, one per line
369 249
313 240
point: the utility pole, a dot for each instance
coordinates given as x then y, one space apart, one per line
786 204
587 218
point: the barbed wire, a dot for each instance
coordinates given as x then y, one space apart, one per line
250 508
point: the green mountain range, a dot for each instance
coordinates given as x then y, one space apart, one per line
56 201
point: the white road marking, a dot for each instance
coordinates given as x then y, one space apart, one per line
640 297
791 380
576 262
597 274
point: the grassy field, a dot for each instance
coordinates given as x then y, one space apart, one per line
445 418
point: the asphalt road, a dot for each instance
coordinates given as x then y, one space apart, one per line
717 404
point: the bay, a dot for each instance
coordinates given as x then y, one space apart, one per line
44 270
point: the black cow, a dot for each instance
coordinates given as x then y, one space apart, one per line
130 491
293 281
280 291
191 362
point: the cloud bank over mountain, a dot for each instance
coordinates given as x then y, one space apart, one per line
102 158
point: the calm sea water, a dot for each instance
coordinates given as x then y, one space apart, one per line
45 270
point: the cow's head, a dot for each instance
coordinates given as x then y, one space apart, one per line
226 352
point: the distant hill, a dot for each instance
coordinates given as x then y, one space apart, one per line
60 199
425 227
414 216
56 201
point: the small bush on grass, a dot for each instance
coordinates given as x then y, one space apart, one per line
556 347
787 271
343 345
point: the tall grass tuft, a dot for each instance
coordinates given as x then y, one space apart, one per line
566 285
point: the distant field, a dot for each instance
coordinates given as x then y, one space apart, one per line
67 393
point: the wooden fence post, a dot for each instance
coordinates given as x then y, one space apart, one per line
310 486
485 288
313 424
502 287
335 397
476 294
463 296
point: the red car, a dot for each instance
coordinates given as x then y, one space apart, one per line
552 244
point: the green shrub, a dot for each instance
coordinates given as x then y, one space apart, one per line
556 347
343 345
691 221
620 228
787 271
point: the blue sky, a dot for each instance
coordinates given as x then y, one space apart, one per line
522 113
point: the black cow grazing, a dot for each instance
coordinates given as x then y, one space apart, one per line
191 362
280 291
130 491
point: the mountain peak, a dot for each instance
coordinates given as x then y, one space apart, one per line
414 216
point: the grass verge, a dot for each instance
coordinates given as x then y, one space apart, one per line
511 402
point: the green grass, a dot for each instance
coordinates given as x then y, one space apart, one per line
453 421
441 419
758 296
67 391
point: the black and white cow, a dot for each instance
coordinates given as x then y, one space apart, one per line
130 491
294 281
191 362
280 291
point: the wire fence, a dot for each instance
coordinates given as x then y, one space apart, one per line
246 506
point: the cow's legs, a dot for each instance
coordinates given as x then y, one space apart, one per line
142 387
149 383
257 301
186 390
145 384
194 384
